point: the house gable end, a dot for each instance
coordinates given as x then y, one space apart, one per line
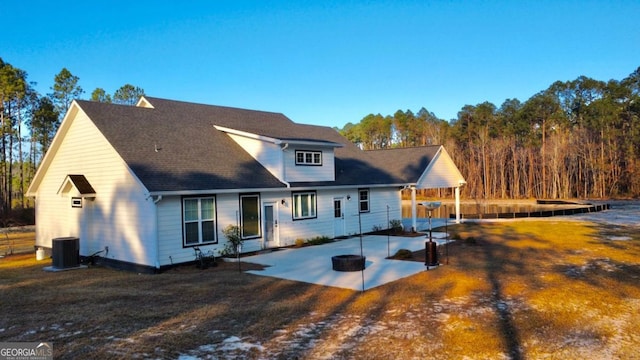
143 102
441 173
173 146
69 118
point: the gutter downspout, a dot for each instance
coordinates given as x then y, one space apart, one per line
157 232
284 167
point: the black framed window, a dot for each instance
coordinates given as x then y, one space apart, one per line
249 216
199 225
307 157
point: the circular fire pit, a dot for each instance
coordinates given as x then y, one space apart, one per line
348 262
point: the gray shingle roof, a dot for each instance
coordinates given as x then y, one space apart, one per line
175 147
407 164
82 184
173 150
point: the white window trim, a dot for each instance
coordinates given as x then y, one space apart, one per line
297 205
367 201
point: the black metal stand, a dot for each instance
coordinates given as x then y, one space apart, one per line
431 249
446 231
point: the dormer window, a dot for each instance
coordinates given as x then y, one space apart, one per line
306 157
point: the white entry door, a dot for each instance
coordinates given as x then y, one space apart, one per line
338 217
271 234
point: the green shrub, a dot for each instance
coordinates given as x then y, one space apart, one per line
395 226
403 254
232 233
319 240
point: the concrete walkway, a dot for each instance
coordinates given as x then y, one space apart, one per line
312 264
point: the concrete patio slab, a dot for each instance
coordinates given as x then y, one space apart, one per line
312 264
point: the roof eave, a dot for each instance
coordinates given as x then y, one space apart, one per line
72 112
277 141
278 189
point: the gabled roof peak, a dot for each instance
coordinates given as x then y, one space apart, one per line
143 102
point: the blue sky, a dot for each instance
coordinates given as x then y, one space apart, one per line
324 62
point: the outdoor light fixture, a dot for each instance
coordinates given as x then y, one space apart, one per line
431 256
430 206
348 197
283 202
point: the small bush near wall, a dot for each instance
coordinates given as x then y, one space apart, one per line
232 233
318 240
395 226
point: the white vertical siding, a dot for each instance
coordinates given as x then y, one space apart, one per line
282 162
227 213
267 154
301 173
170 240
121 217
323 224
171 248
379 199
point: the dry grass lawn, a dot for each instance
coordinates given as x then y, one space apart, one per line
515 290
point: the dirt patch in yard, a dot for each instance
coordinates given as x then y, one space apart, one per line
520 290
392 232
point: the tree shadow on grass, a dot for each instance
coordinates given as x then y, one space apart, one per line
493 257
124 314
492 254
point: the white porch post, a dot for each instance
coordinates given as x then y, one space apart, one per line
414 212
457 192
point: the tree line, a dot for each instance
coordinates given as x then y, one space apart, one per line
575 139
29 121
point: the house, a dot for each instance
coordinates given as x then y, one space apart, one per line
147 183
